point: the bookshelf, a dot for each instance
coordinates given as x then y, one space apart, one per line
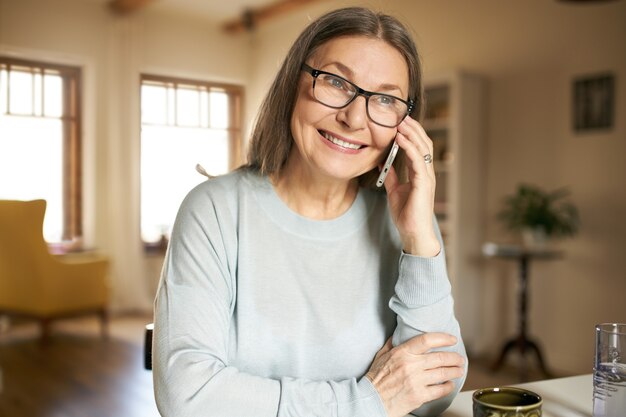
455 121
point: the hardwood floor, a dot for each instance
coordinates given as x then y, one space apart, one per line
79 374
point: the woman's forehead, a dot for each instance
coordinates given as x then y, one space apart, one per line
369 62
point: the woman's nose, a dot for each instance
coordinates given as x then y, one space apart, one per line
354 115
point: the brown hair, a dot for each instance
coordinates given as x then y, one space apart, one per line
271 138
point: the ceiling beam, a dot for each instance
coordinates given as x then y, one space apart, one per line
251 18
123 7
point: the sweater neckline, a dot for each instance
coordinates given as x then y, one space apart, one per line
280 213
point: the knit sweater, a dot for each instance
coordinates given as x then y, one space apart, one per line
261 312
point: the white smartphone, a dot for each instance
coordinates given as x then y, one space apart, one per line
383 173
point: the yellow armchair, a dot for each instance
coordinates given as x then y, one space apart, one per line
39 285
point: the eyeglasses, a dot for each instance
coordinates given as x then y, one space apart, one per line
336 92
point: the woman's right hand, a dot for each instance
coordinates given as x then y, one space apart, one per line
411 374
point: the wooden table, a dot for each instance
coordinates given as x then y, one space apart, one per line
562 397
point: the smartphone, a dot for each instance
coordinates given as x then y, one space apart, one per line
383 173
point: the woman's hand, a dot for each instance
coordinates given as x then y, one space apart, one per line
410 375
412 204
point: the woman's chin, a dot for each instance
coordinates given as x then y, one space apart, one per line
341 175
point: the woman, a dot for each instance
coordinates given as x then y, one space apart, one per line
291 287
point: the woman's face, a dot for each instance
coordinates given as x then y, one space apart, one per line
342 144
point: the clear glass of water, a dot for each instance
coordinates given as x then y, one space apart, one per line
609 371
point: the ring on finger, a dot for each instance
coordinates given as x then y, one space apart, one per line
428 158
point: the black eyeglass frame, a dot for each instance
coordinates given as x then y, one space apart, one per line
410 103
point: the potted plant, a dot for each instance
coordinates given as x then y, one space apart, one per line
539 215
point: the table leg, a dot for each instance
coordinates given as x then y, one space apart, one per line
542 364
523 317
521 341
505 351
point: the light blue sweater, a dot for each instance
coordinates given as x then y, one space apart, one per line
261 312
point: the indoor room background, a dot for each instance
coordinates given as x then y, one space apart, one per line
529 53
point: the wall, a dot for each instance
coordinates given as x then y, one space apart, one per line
113 52
529 51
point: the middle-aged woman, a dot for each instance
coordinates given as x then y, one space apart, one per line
292 287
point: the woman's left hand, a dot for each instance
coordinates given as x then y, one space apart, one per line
412 203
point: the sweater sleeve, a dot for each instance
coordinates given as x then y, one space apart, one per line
193 309
423 303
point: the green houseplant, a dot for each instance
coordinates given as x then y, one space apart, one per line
540 214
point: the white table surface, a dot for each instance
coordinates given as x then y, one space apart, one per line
562 397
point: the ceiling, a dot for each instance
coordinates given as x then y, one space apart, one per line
226 10
215 10
218 10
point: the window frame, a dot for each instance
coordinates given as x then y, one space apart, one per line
234 130
71 119
235 114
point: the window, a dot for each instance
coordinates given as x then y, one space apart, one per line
183 124
40 141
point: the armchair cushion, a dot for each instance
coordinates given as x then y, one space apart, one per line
35 283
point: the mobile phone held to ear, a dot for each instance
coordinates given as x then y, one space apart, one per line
387 166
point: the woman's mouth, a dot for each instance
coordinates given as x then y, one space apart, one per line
339 142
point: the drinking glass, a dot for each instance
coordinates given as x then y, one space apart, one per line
609 371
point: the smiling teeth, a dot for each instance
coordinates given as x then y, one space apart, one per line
340 142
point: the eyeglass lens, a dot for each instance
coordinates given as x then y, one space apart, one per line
334 91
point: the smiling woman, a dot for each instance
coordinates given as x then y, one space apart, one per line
291 286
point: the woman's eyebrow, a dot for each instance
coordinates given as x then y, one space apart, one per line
348 73
343 68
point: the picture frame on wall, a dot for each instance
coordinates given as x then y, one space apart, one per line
594 102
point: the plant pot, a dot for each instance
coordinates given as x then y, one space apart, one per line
535 238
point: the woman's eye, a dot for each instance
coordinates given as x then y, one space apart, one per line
336 82
386 101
